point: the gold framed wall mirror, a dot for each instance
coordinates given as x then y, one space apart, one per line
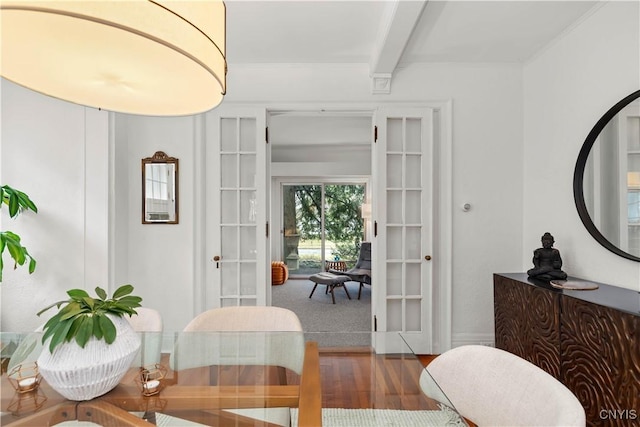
160 189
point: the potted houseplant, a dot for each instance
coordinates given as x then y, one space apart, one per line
17 201
89 345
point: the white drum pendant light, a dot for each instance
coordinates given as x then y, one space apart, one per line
157 58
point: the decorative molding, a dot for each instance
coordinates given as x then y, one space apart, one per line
95 168
445 227
396 25
381 83
200 262
160 157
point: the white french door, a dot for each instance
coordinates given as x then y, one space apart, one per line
402 211
237 206
410 192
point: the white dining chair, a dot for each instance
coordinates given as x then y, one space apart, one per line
246 318
28 350
281 350
147 320
492 387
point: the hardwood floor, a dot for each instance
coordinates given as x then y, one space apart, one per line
358 380
350 379
354 379
426 358
362 380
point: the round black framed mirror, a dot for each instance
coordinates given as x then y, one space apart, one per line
606 180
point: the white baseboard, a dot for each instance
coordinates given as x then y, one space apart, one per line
458 340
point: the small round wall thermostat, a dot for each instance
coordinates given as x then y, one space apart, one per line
466 207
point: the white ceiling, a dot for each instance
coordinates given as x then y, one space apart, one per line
387 34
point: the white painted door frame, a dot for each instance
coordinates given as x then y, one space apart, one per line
442 213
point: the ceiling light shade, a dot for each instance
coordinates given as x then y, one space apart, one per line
158 58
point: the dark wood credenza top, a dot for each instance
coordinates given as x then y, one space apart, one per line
624 300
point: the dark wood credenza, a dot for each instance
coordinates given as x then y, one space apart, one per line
589 340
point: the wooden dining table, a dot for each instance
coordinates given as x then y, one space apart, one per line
220 378
208 395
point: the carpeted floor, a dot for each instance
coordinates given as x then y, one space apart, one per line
349 321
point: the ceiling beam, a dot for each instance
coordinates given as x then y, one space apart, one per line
397 24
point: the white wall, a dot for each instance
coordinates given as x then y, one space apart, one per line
552 104
487 162
57 153
159 259
487 138
567 89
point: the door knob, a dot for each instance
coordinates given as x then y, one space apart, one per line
217 259
427 257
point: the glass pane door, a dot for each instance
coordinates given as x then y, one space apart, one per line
404 225
302 219
321 222
238 211
403 203
344 225
236 222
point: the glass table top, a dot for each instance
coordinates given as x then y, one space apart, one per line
231 378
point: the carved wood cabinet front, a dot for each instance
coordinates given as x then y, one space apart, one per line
585 340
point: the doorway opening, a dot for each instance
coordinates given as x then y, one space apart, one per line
321 223
320 166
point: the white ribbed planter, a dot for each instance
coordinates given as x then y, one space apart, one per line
84 373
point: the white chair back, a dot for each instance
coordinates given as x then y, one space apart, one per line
149 321
277 347
246 318
270 336
492 387
28 350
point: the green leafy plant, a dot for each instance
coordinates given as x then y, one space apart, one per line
17 201
84 316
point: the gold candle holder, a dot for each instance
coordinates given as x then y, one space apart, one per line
150 379
26 403
25 377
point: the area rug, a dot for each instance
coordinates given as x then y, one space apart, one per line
338 417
